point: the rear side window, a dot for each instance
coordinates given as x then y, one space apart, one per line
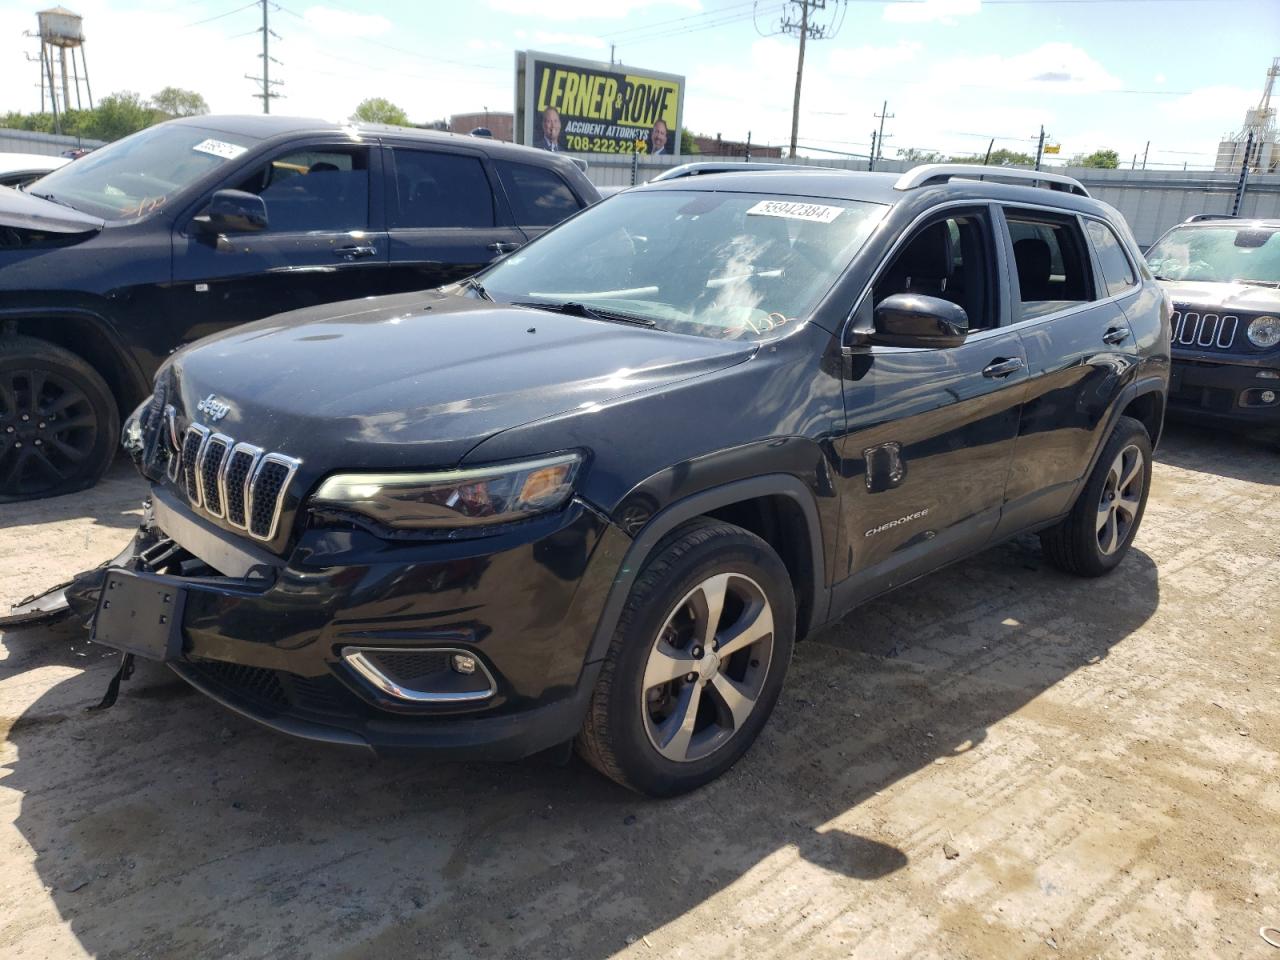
539 197
1051 262
1117 271
440 190
317 189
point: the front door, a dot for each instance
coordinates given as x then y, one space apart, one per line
323 242
1079 348
445 219
929 431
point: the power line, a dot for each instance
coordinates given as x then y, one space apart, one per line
196 23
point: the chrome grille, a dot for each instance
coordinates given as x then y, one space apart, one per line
242 483
1204 329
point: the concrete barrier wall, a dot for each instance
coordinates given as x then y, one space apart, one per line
45 144
1152 201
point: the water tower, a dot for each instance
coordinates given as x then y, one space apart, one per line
62 33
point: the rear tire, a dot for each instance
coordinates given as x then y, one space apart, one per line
59 425
668 714
1097 533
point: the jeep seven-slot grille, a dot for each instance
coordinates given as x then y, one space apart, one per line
238 481
1206 330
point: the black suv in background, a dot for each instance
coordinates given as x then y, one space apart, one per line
1223 275
186 228
596 493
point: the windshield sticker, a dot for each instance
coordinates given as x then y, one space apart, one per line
220 148
791 210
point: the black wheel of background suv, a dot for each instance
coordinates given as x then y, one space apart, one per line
59 425
1096 535
696 662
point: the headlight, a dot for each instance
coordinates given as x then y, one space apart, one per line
456 499
1264 332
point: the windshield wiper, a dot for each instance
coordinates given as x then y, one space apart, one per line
51 198
1257 283
473 284
575 308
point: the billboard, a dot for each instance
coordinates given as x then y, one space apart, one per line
582 106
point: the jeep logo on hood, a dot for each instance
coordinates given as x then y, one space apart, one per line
214 408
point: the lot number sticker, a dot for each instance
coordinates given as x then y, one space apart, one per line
791 210
220 148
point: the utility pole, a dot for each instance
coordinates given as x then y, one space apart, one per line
871 165
1244 176
1040 147
267 94
883 115
611 48
748 156
1145 151
987 159
806 27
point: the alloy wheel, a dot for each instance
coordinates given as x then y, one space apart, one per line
48 429
707 667
1121 498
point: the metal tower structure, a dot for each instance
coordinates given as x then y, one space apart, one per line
61 34
1258 136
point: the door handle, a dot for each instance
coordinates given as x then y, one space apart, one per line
503 246
1002 368
355 252
1115 335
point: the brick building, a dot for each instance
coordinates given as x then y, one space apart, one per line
501 124
718 147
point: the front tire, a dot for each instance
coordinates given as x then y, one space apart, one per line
696 663
1097 533
59 425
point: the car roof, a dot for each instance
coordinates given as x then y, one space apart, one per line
1245 223
878 188
22 162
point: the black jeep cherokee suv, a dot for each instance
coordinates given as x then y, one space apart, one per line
186 228
1223 275
597 492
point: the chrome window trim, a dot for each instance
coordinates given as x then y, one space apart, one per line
1124 249
355 658
291 464
228 443
193 488
255 454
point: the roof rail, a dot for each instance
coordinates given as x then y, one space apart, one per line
702 167
1199 217
931 173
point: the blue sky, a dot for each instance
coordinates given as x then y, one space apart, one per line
1097 73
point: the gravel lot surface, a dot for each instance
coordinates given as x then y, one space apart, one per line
998 761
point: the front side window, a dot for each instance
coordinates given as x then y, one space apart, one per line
436 189
539 197
715 264
1051 261
1117 271
316 189
141 173
1218 254
949 259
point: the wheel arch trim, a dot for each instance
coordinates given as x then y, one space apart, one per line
673 515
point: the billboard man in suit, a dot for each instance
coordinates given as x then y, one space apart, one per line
658 139
550 139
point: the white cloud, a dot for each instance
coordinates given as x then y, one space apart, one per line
547 39
340 23
866 61
1222 104
930 11
1049 68
566 10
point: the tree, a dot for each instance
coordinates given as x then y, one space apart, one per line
118 115
380 110
688 141
1104 159
177 102
914 155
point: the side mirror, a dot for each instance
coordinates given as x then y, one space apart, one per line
234 211
915 320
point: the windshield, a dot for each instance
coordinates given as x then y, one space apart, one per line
139 174
726 265
1218 254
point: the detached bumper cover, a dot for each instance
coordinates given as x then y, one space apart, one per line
267 645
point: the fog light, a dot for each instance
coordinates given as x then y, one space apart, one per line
1268 396
462 663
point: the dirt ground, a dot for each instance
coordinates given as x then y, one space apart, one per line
999 761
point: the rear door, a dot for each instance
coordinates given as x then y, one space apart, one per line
1079 349
930 431
445 219
324 240
539 197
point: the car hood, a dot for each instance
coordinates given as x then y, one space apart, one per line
417 380
23 211
1243 297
